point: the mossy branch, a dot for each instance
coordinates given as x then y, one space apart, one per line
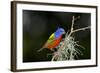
67 47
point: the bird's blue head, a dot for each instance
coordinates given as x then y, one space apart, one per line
59 32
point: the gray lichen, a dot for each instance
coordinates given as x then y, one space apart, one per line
68 47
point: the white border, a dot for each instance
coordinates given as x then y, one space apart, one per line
34 65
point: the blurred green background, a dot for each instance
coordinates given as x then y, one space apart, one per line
39 25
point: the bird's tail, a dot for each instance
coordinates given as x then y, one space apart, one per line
40 50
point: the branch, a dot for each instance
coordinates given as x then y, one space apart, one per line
53 58
72 23
81 29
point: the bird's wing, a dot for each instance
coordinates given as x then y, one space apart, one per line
50 40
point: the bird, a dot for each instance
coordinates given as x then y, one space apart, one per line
53 40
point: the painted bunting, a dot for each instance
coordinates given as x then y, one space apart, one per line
54 39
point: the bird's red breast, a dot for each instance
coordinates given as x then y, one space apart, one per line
53 44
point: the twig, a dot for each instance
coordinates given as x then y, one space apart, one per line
81 29
53 58
72 23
